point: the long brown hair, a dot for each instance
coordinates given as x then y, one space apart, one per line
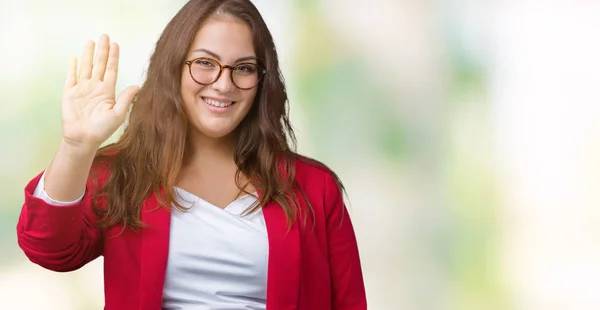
148 157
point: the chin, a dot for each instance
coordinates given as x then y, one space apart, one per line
217 134
214 133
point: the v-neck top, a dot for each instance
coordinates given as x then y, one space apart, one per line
217 257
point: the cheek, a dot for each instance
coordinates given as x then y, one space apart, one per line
190 91
188 95
250 96
189 87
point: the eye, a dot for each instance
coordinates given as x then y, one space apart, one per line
204 63
246 68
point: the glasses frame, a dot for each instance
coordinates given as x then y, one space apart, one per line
261 71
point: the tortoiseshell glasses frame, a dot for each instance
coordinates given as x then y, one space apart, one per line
245 73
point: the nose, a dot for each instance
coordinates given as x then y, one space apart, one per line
224 83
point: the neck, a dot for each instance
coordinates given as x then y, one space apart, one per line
206 151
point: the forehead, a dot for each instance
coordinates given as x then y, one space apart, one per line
227 37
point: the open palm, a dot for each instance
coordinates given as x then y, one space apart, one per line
90 113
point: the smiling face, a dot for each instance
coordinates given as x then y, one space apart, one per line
215 110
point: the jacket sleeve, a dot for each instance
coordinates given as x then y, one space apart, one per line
347 285
59 238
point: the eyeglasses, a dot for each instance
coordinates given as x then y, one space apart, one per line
206 71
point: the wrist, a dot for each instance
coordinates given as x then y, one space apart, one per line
77 149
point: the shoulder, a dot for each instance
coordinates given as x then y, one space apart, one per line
312 175
322 188
308 169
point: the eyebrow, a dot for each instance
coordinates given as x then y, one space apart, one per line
217 57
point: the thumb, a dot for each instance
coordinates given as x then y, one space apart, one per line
125 99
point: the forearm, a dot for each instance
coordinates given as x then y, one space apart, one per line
66 176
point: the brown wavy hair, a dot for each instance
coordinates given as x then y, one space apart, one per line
149 155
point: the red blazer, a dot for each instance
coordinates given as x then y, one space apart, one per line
308 268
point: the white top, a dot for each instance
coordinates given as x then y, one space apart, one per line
217 257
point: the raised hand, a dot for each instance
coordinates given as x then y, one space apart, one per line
90 113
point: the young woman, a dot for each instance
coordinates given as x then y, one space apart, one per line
202 203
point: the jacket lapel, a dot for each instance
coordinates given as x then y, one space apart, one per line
155 251
283 271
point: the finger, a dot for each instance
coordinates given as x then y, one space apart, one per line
125 99
101 58
85 71
112 66
71 79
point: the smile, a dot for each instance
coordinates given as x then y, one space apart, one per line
217 103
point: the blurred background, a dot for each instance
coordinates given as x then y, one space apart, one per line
466 132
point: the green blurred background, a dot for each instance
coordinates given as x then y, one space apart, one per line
467 134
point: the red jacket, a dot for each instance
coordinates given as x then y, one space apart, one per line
308 269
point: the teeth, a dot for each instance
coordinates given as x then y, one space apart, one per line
218 103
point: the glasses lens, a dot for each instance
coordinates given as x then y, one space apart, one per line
205 70
246 75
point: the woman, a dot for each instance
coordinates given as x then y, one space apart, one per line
201 204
